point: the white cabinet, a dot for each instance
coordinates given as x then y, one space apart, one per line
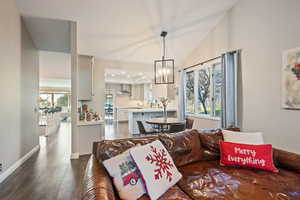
159 91
148 92
122 115
137 92
85 77
88 133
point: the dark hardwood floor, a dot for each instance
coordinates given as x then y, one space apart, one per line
49 174
114 130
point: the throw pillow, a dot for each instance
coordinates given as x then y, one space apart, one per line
126 176
245 155
243 137
156 167
184 147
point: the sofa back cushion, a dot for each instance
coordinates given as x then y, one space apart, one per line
107 149
210 139
184 147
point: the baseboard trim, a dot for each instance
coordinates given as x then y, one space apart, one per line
75 156
18 163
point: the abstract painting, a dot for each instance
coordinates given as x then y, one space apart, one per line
291 79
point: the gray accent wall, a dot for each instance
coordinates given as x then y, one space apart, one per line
18 87
262 29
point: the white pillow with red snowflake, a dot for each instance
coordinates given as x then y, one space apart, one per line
156 167
126 176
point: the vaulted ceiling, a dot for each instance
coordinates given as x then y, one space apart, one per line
129 30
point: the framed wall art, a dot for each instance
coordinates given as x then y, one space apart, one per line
291 79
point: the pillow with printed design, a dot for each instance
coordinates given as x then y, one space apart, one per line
125 175
156 167
246 155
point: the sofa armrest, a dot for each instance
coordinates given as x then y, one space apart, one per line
97 184
287 160
95 146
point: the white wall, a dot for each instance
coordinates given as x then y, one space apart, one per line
98 87
19 84
262 29
29 92
97 102
55 65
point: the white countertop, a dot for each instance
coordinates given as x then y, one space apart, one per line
151 110
90 123
127 108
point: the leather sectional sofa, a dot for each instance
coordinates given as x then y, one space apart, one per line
203 179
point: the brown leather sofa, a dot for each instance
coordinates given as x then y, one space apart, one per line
203 177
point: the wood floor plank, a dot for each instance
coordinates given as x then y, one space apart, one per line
50 174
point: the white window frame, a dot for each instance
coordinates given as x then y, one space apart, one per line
210 66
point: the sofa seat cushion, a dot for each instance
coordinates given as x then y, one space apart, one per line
208 180
173 193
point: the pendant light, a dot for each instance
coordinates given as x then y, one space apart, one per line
164 68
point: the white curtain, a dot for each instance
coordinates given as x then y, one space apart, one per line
230 69
181 95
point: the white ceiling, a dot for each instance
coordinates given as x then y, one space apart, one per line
128 30
49 34
127 76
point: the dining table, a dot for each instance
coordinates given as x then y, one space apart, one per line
163 124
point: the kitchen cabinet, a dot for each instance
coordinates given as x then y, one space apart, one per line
85 77
137 92
88 133
148 92
121 115
159 91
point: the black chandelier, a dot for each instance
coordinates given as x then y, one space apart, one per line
164 68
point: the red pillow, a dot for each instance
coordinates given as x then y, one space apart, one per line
246 155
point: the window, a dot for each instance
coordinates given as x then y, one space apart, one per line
190 92
203 90
61 100
217 89
55 100
45 101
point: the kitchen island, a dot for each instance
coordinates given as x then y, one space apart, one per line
143 115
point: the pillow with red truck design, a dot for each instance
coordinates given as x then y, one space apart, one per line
246 155
126 176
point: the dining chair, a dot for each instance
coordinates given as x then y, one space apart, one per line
174 128
142 128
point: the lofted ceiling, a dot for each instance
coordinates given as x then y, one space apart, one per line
49 34
129 30
127 76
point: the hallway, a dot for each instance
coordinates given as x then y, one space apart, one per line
49 174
